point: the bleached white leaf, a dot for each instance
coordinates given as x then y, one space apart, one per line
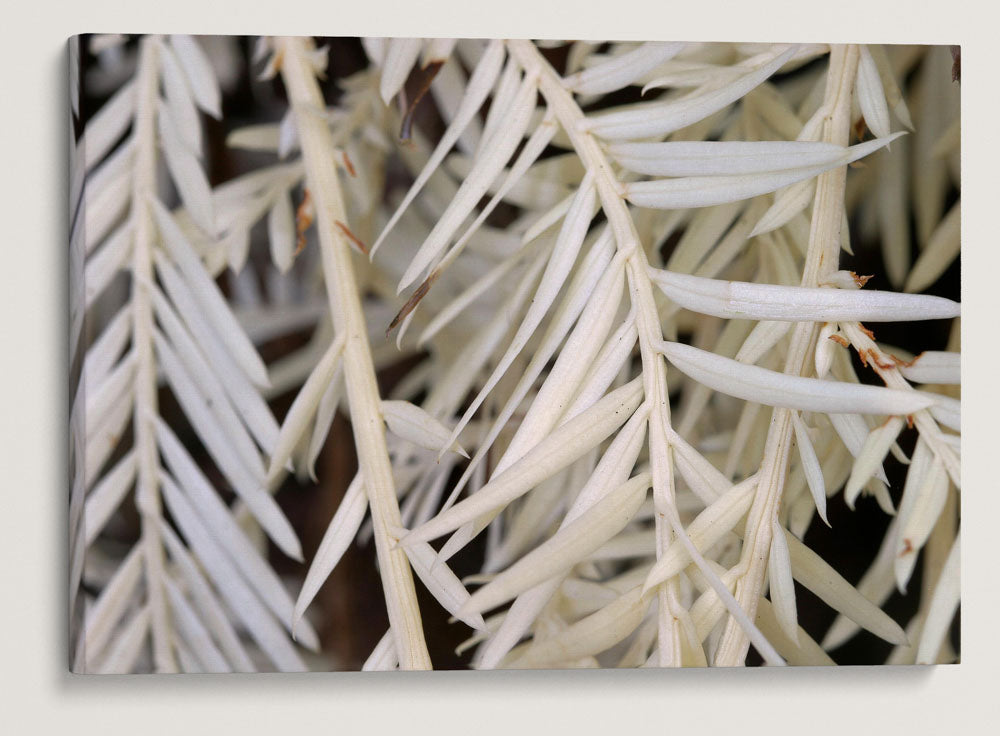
871 96
944 603
563 257
210 383
764 336
109 392
657 119
560 448
724 158
180 101
704 191
478 88
924 495
304 407
940 252
105 264
107 611
103 354
187 175
817 576
446 588
498 150
707 528
411 423
214 307
339 534
199 74
324 417
934 366
383 656
212 611
572 543
107 496
779 570
622 70
753 383
869 459
193 631
108 124
810 466
246 484
281 232
400 56
242 602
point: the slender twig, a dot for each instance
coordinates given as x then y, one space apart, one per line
821 259
359 373
147 495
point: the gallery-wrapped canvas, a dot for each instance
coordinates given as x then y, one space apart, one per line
398 353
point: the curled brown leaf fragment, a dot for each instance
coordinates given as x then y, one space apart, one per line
427 76
413 301
354 239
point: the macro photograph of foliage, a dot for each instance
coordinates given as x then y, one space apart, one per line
431 353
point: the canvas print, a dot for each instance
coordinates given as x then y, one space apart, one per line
404 353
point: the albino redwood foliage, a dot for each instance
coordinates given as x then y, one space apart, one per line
637 373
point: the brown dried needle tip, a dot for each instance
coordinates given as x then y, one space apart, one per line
412 302
429 72
304 216
956 64
860 280
352 237
349 165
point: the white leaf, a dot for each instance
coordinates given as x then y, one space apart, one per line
304 407
498 149
242 602
934 366
704 191
658 119
281 232
622 70
400 56
245 483
443 585
199 73
339 534
479 86
779 570
753 383
214 307
810 466
869 459
107 496
944 603
108 124
411 423
559 449
723 158
571 544
187 175
180 102
871 97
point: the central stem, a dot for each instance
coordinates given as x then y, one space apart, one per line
821 260
359 372
147 482
647 321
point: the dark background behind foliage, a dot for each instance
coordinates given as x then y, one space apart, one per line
349 610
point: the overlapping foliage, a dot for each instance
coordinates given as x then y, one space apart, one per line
636 356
